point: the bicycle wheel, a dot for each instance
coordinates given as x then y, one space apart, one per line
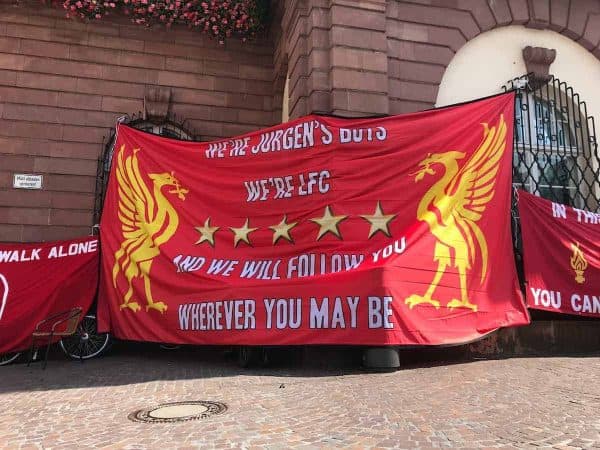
86 340
7 358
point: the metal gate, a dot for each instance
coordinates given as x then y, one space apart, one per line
555 149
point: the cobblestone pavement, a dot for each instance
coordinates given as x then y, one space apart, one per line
512 403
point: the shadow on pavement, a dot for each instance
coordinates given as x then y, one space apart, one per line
132 363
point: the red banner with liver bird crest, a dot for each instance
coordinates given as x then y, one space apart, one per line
321 230
39 280
560 256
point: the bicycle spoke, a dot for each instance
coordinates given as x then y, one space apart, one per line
86 341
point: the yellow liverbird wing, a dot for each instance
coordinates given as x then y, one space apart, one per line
473 187
136 203
135 211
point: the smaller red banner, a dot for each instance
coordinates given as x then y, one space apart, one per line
561 256
38 280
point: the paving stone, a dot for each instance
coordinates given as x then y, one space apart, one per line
511 403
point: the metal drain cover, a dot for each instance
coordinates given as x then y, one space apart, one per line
178 412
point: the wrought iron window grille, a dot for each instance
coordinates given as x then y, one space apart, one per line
172 127
555 151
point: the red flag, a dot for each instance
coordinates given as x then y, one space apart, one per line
561 257
321 230
41 279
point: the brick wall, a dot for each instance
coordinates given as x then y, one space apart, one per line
372 57
63 83
300 54
334 52
423 38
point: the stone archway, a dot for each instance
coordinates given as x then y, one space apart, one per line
424 39
389 56
484 64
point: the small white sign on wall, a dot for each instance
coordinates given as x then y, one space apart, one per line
27 181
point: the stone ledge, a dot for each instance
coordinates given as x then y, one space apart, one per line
542 337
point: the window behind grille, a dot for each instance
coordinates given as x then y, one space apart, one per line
555 150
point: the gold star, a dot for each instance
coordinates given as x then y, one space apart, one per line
241 234
207 233
282 230
328 223
379 221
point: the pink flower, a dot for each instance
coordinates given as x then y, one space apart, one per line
219 18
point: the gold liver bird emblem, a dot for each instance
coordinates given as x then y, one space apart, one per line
147 221
453 206
578 263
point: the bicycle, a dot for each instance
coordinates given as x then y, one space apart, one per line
85 343
7 358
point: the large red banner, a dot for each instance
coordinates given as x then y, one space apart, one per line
561 256
37 280
318 231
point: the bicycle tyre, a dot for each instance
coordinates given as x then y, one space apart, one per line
7 358
87 338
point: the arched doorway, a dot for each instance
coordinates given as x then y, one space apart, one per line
484 64
555 146
555 149
555 152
